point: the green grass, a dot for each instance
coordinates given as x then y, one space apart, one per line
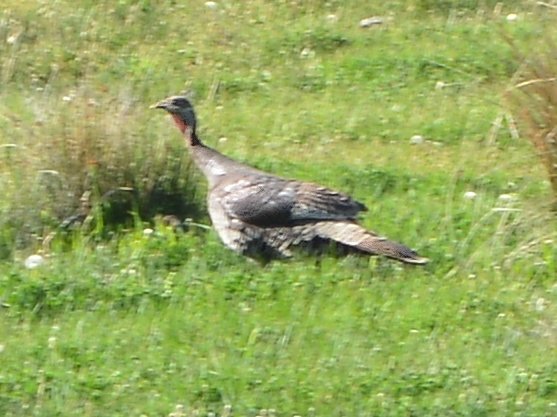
118 322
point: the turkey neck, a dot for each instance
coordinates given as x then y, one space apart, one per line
214 165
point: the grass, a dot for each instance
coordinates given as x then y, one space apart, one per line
121 321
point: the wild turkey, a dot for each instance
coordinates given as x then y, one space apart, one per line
263 216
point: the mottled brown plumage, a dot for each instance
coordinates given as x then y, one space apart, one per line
261 215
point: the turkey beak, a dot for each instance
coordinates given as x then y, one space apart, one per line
160 105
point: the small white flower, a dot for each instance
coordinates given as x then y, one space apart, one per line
33 261
370 21
470 195
506 198
540 304
211 5
148 232
12 39
417 140
51 342
2 347
307 53
439 85
512 17
332 18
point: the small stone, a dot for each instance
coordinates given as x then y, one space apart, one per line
148 232
370 21
33 261
417 140
211 5
332 18
512 17
470 195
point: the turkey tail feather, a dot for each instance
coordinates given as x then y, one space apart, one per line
351 234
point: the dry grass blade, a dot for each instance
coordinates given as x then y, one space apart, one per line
533 100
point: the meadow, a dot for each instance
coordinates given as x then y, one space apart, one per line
418 117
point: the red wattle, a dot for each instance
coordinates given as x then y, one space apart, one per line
180 123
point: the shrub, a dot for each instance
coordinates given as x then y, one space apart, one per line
69 153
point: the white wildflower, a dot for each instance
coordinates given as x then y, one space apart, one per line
470 195
540 304
507 198
52 342
439 85
417 140
370 21
33 261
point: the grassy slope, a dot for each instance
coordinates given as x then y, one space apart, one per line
139 325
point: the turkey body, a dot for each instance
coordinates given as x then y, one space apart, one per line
264 216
